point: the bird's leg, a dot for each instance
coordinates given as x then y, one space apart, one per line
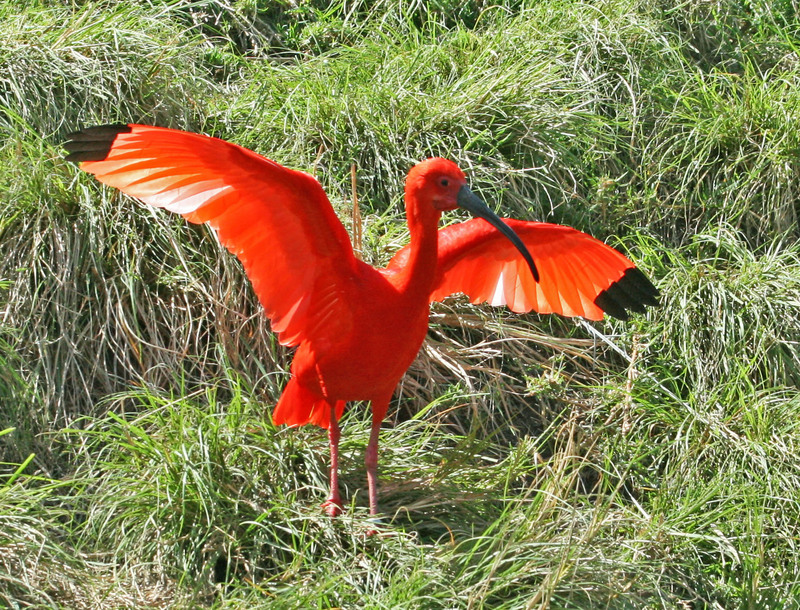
371 459
333 505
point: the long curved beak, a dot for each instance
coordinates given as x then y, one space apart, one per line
470 201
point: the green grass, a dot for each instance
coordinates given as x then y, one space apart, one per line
527 461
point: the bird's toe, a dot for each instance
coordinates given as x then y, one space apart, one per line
332 506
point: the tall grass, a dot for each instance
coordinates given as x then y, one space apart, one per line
528 461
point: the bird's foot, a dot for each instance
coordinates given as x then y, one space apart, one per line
374 521
332 506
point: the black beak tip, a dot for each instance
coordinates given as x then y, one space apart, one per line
534 270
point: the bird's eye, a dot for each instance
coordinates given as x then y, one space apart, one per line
444 182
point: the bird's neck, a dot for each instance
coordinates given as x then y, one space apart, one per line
416 279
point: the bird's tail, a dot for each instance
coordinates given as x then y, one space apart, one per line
299 406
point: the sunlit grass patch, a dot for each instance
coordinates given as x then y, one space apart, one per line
526 461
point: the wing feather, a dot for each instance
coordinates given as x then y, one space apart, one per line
279 222
579 275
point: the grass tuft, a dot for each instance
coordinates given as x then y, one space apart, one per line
527 461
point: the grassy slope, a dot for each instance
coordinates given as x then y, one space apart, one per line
527 462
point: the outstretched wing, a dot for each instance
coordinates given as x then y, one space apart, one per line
279 222
579 275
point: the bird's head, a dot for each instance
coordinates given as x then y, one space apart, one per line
436 182
436 185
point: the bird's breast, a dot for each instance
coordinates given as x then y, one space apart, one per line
375 354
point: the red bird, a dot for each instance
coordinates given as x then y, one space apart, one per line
357 329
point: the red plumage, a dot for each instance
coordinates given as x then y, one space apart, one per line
356 328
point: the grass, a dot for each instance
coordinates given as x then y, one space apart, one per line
527 462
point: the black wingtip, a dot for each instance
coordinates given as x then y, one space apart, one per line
633 291
93 143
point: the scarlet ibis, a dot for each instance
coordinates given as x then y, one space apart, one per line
357 329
